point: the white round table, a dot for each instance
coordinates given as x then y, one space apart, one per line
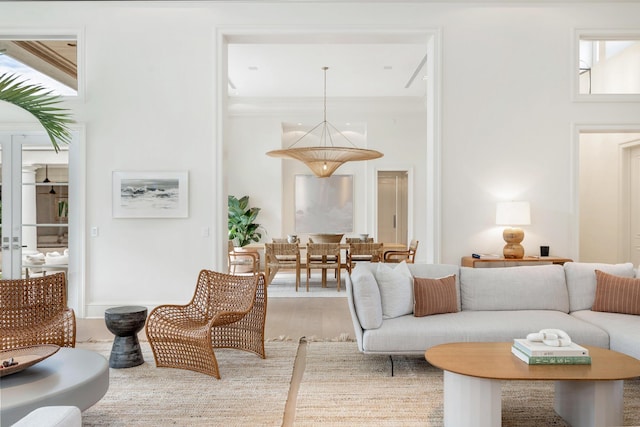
71 377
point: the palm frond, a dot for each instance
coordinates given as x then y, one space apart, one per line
41 103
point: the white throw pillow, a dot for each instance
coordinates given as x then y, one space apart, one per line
396 289
366 298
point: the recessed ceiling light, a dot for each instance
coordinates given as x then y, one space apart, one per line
388 67
253 68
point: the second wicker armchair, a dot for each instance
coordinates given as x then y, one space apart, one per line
226 311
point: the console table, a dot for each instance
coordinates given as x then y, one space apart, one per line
71 377
469 261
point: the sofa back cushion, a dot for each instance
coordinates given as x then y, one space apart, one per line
539 287
366 297
581 281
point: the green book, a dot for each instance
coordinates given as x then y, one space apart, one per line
551 360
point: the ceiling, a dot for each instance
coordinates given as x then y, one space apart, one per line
362 69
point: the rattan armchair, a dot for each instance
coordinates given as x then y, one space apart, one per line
359 252
398 256
34 311
226 311
281 255
324 256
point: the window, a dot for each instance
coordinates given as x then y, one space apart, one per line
51 63
609 65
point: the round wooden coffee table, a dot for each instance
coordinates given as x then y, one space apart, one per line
71 377
585 395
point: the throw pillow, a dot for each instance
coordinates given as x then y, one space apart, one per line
396 289
434 296
366 298
616 294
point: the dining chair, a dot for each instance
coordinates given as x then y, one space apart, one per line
242 259
408 255
349 240
34 311
363 252
281 255
226 311
323 256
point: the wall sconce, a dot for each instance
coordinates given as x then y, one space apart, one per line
513 213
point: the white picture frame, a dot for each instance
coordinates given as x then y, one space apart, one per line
150 194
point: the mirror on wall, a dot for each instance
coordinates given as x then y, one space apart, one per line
51 63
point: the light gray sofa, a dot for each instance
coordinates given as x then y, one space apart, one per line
495 304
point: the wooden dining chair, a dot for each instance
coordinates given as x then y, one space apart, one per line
363 252
408 255
242 259
279 256
323 256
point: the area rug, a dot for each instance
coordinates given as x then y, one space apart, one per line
342 387
283 285
251 392
338 386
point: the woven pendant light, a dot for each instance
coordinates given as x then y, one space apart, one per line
323 160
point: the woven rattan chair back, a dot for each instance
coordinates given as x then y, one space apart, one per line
281 255
368 252
323 256
226 311
34 311
350 240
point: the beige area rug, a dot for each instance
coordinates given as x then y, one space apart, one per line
342 387
252 391
284 286
338 387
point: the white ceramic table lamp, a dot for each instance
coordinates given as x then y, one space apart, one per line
512 214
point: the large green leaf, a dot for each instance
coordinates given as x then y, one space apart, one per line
41 103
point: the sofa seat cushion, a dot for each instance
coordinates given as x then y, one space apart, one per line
622 329
413 335
540 287
581 281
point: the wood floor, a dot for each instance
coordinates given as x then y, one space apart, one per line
286 317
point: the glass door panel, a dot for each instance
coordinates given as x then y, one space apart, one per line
35 230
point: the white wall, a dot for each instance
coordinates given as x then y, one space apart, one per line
150 103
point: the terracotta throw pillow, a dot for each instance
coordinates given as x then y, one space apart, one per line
616 294
434 296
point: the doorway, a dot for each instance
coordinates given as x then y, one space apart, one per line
609 196
42 209
393 206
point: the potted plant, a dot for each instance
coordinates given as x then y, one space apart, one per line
242 226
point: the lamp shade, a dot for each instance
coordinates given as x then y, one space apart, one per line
513 213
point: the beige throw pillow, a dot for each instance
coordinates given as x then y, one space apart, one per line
616 294
434 296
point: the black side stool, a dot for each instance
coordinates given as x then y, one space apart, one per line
125 323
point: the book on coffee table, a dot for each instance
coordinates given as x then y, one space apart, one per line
550 360
533 348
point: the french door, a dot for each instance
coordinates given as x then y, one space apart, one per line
35 205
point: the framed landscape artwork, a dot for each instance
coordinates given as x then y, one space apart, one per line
324 205
150 194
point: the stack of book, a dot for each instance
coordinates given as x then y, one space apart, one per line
538 353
